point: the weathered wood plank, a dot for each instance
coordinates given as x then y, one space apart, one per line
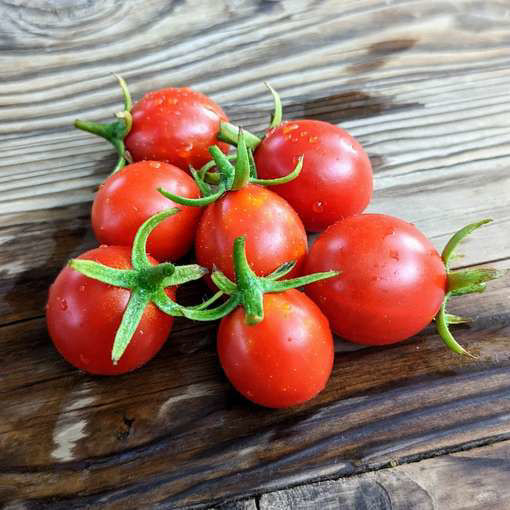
476 479
424 85
438 135
191 439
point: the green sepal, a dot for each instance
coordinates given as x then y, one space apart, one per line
212 314
282 271
125 278
469 281
445 333
281 180
193 202
230 133
249 289
225 284
139 257
461 282
115 131
457 319
133 313
228 177
147 282
276 117
458 237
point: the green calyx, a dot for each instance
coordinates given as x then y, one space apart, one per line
116 131
249 289
466 281
146 282
228 177
230 133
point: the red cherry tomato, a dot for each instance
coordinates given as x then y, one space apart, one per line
392 284
129 197
274 233
336 179
282 361
83 316
176 125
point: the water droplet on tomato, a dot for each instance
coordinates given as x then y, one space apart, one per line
103 245
140 332
134 208
313 139
303 133
154 164
82 288
394 254
63 305
185 150
289 127
318 207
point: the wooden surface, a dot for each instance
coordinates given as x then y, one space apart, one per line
425 86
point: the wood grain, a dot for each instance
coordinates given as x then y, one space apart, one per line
438 135
423 85
472 480
191 439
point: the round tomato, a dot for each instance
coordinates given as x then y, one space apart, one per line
176 125
392 284
274 233
83 316
282 361
130 196
336 179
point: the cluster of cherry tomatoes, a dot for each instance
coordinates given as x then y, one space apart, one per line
370 278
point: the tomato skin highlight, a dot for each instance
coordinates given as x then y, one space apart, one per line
83 316
392 284
336 179
282 361
175 125
274 233
130 196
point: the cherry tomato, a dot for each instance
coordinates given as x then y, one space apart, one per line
176 125
274 233
282 361
392 284
83 316
130 196
336 179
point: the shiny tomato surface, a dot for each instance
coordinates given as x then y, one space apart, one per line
282 361
392 284
336 179
83 316
175 125
274 233
130 196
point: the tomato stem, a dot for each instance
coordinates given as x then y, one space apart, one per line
276 117
116 131
249 289
242 168
230 134
147 282
229 177
461 282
